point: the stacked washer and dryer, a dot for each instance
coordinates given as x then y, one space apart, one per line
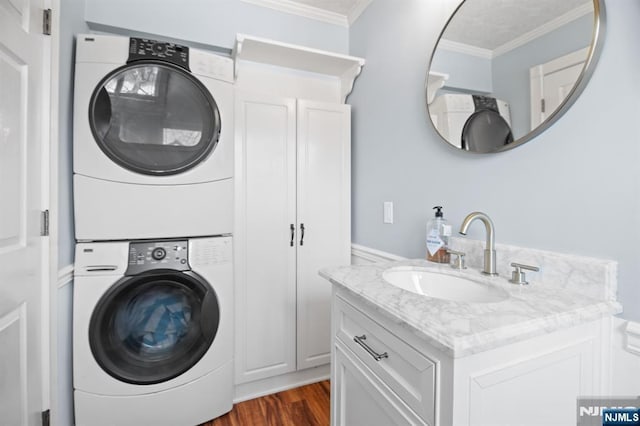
472 122
153 197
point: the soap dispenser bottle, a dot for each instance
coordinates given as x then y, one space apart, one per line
438 233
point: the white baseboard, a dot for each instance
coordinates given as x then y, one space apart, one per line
268 386
362 255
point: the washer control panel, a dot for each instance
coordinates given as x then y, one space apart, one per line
142 48
148 255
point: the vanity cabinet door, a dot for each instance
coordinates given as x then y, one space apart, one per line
536 385
358 397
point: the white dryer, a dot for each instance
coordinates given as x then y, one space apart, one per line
472 122
153 332
153 140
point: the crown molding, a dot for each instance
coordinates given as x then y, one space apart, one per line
357 10
550 26
467 49
288 6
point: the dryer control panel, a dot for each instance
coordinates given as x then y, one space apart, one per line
148 255
142 48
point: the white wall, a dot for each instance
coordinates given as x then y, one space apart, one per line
573 189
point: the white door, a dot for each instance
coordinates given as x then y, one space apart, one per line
24 92
264 233
324 220
558 85
552 82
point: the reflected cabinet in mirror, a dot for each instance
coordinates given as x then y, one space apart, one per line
503 71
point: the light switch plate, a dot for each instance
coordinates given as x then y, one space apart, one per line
388 212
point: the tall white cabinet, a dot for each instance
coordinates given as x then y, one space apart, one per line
292 218
292 208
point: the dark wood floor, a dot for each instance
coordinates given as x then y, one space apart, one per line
303 406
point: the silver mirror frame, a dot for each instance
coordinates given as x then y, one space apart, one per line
597 41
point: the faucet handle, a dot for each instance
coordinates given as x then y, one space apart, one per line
458 262
518 276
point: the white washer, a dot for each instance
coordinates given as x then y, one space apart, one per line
153 332
153 140
472 122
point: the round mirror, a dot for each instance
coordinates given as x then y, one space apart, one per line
504 71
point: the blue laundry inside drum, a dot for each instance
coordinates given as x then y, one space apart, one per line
156 321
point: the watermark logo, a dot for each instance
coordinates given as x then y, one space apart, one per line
609 411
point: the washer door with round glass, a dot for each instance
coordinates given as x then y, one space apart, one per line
154 118
152 327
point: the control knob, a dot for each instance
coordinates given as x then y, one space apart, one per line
158 253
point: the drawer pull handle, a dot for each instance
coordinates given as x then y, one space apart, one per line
374 354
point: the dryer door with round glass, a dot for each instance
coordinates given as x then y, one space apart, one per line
486 131
154 326
154 118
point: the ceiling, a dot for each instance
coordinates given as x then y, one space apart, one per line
486 24
490 24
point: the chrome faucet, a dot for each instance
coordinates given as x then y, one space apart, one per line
490 249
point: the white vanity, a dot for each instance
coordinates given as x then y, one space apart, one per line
403 358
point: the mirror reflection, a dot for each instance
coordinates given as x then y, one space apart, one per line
503 71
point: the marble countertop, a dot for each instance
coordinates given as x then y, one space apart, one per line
460 329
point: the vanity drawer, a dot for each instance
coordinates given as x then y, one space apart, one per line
406 371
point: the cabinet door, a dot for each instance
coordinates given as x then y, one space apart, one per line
359 398
532 389
323 194
265 255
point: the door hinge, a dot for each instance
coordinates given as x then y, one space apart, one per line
46 418
46 22
543 105
44 223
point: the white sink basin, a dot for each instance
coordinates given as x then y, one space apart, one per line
448 287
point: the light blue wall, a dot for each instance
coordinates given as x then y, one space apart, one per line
573 189
71 22
468 73
214 22
511 70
